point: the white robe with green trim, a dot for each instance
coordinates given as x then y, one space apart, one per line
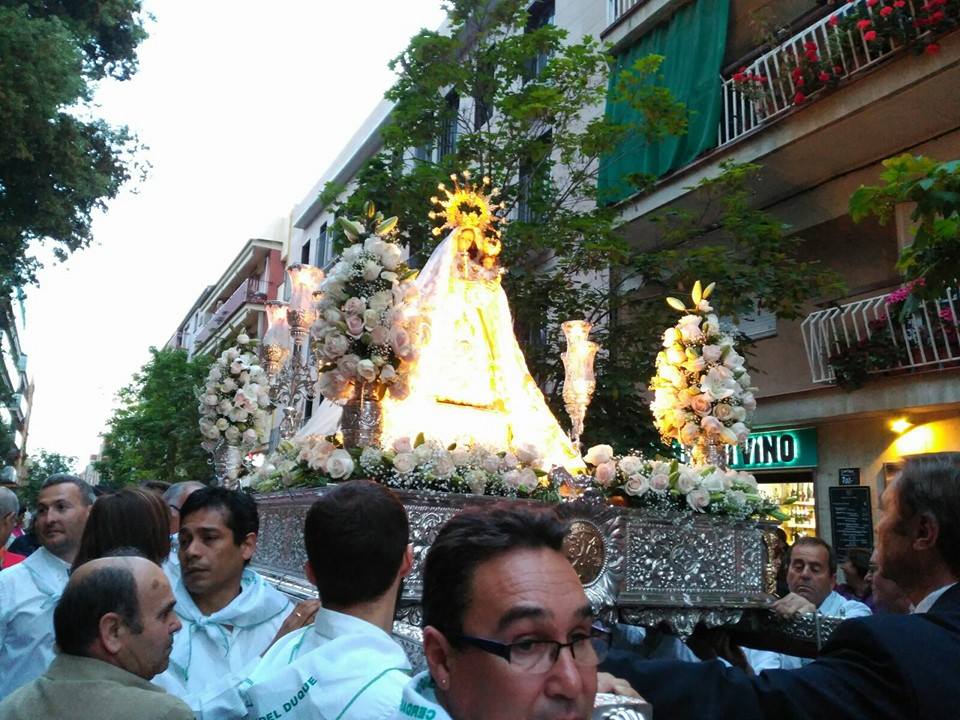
339 668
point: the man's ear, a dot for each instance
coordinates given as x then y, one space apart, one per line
437 651
926 532
406 565
112 629
308 571
249 546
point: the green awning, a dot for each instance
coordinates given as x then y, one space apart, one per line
693 42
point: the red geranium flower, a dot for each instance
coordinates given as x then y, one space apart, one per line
885 11
824 76
832 22
900 3
871 3
870 35
837 70
799 98
932 49
864 24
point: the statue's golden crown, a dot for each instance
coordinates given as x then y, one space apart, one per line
472 213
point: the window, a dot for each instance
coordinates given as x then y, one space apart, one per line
483 95
322 249
541 14
534 181
424 153
448 128
305 253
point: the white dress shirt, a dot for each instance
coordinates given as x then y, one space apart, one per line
340 667
834 605
210 649
928 602
29 593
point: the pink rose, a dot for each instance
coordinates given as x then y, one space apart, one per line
711 425
403 445
355 325
354 306
701 404
605 473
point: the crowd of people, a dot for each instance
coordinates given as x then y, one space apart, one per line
142 604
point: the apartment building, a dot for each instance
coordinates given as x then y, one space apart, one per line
16 388
236 302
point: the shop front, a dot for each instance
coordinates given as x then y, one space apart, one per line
784 463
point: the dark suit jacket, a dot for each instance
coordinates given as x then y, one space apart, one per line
884 667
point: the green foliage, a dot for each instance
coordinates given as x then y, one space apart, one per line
41 466
58 163
565 256
934 186
154 434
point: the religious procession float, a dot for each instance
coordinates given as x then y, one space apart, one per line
426 390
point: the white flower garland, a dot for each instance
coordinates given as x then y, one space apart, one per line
702 390
367 329
235 401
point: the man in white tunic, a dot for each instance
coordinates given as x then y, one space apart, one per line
345 665
29 591
811 576
230 614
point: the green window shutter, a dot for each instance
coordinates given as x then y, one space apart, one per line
693 42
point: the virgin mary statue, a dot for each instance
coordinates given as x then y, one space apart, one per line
471 382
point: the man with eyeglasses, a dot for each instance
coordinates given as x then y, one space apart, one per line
508 632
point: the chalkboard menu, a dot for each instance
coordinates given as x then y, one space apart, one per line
851 518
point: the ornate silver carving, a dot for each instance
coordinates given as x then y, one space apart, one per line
647 570
607 706
362 419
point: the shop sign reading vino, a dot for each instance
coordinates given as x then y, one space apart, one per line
794 448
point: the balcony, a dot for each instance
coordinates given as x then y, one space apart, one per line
249 291
775 81
872 330
21 409
617 9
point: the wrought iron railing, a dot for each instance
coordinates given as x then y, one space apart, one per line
844 51
616 9
249 291
928 337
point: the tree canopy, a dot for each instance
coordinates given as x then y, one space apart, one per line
40 466
507 95
154 433
58 162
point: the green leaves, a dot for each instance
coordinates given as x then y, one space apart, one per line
57 169
154 434
934 254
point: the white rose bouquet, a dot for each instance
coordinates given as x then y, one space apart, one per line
235 404
410 464
670 486
367 329
702 390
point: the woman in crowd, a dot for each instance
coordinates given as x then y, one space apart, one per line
130 518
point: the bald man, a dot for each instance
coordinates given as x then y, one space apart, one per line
114 627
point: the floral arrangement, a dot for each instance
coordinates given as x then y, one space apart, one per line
753 86
809 71
235 405
702 390
419 464
882 350
367 328
670 486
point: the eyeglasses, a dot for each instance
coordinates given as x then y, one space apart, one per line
538 656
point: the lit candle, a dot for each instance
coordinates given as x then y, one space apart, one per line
304 280
278 332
